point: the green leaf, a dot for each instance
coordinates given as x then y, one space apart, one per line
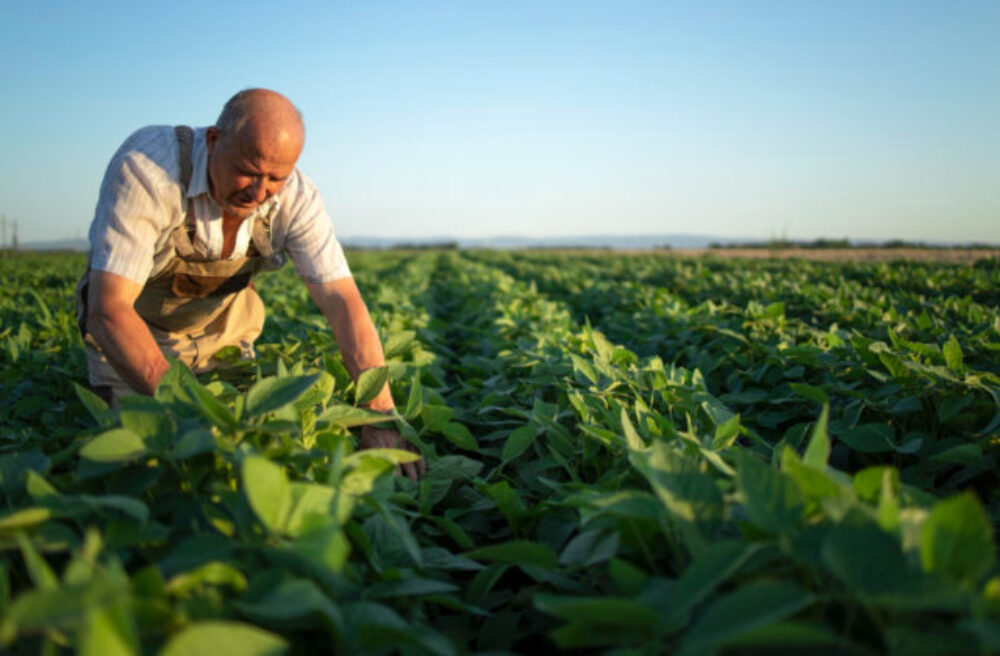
869 481
361 478
379 629
24 518
871 564
710 568
195 551
41 574
396 343
590 548
346 416
154 427
211 408
38 487
771 498
632 438
392 540
223 638
134 508
14 466
518 442
408 587
229 354
726 433
392 456
370 384
507 499
962 454
956 539
214 573
290 600
868 438
953 354
192 443
415 400
109 631
94 404
687 492
613 611
460 436
784 635
750 607
48 608
307 499
815 484
435 417
324 545
267 490
517 552
454 467
272 393
628 578
818 452
817 394
115 445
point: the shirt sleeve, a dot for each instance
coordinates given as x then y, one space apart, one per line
133 207
310 240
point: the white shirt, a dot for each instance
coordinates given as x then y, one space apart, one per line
141 203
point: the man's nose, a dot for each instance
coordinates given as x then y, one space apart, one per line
259 190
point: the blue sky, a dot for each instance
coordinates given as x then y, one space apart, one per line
866 120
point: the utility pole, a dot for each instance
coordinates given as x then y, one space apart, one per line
14 240
3 235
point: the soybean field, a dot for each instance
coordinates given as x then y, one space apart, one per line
626 454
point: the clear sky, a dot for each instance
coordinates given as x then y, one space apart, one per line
866 120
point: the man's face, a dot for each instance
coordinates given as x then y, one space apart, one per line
243 173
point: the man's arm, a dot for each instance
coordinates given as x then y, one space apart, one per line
121 332
341 303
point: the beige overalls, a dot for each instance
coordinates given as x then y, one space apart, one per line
193 307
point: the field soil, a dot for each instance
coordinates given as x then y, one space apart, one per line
947 255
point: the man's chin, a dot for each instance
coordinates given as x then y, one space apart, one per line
240 211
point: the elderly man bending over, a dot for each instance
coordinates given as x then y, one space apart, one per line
185 219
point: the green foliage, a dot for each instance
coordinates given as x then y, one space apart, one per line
632 454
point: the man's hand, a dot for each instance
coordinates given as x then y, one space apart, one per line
389 438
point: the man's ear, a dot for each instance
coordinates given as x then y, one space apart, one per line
211 138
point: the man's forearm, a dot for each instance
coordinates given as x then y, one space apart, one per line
129 346
361 348
359 341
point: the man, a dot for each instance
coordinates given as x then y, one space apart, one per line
184 220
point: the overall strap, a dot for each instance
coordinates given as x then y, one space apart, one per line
185 144
182 237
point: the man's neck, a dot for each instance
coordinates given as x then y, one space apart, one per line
230 226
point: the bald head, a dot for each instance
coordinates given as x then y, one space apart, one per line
264 118
252 150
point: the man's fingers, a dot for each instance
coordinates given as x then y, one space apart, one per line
373 438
